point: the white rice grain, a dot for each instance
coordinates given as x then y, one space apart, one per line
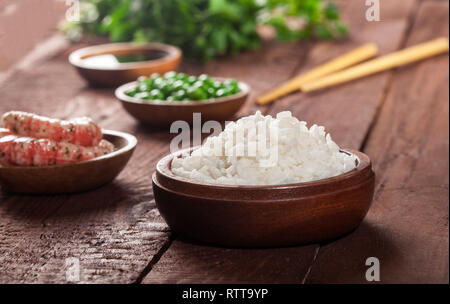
302 154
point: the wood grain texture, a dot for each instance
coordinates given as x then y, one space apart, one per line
272 65
116 230
195 263
269 66
346 112
407 226
24 23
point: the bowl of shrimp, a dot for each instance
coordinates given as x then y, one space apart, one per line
41 155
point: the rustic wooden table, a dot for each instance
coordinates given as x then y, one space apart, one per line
399 118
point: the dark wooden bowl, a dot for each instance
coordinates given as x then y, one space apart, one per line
264 216
69 178
126 72
163 113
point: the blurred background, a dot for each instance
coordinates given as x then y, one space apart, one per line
204 29
24 23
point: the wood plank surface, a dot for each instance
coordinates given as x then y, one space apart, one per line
118 235
186 262
23 24
407 225
114 231
346 112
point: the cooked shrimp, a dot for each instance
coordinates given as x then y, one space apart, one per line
5 147
4 132
27 151
79 131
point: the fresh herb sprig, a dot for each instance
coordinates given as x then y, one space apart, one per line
205 29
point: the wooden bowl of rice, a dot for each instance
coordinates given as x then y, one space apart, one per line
264 216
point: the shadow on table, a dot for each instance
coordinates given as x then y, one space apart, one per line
344 260
163 133
114 199
339 261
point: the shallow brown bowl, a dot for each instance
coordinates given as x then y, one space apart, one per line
69 178
163 113
264 216
125 72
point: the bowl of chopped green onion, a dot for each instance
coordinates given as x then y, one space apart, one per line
163 99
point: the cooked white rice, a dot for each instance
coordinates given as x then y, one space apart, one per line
297 154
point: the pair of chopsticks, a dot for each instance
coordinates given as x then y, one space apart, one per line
343 68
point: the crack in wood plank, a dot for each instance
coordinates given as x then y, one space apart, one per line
382 98
235 264
407 226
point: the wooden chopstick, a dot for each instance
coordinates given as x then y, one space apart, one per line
355 56
393 60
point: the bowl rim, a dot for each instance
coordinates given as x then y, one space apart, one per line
76 57
120 94
163 171
130 145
